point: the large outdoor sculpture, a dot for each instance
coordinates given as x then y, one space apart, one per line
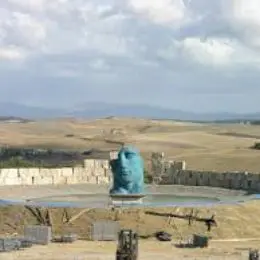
128 172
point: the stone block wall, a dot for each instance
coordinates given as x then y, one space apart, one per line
174 172
99 172
93 171
230 180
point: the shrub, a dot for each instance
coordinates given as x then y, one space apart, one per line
256 146
147 177
15 162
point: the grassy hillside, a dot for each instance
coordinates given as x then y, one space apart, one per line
203 146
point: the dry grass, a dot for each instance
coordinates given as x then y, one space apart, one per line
202 146
233 221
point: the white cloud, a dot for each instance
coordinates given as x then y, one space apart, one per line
11 53
26 28
40 6
41 27
32 5
59 26
22 30
81 39
161 11
244 17
99 65
219 53
208 51
244 11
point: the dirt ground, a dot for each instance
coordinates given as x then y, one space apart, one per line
220 147
86 250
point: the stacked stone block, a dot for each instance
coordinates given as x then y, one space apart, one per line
99 172
94 171
176 174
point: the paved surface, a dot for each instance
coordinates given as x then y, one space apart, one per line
96 196
30 192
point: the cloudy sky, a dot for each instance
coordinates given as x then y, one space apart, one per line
201 55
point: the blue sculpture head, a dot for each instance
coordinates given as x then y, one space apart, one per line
128 172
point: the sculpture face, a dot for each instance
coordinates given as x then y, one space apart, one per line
128 172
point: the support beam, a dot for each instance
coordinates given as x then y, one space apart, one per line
65 216
209 222
43 216
35 214
48 218
76 216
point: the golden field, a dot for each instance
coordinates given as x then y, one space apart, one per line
220 147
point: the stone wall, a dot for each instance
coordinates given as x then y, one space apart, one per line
174 172
230 180
94 171
99 172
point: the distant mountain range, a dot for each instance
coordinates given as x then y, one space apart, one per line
100 110
13 119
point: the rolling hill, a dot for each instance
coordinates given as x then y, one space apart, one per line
101 110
